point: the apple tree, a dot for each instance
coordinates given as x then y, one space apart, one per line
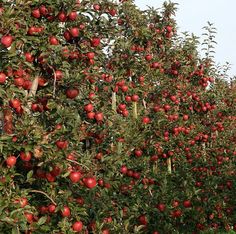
111 122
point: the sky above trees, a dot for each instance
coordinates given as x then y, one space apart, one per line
193 15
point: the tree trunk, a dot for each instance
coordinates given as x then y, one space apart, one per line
7 121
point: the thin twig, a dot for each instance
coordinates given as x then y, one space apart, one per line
144 104
54 84
77 163
45 194
150 192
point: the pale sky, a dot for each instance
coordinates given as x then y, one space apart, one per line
192 16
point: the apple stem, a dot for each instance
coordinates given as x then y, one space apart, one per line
169 165
135 110
114 101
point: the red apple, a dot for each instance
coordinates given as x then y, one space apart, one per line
90 55
187 204
23 202
6 40
25 156
135 98
123 169
77 226
99 116
148 57
75 176
112 12
67 35
72 93
74 32
43 10
169 29
138 153
91 115
185 117
161 207
3 78
19 81
88 107
29 57
11 161
62 16
61 144
29 217
51 208
146 120
95 41
36 13
66 211
56 171
58 74
90 182
72 15
15 103
53 40
96 7
142 219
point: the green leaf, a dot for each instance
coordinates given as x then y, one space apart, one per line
66 174
15 230
42 220
29 174
8 220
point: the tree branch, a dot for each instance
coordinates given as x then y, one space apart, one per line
77 163
45 194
